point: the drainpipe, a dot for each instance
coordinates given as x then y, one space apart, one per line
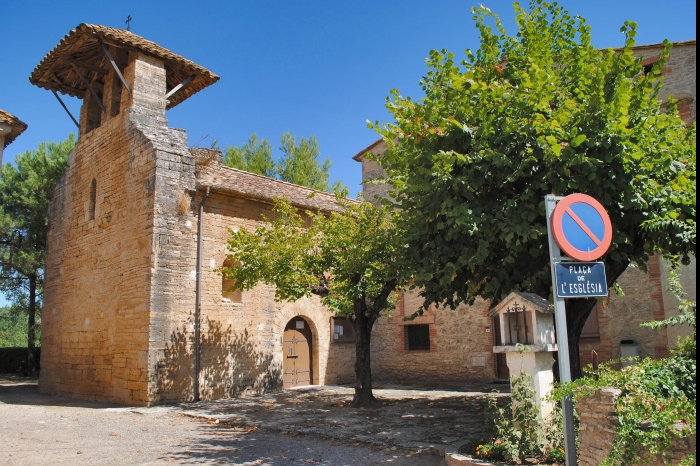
198 297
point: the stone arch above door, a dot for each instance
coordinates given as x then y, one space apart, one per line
319 322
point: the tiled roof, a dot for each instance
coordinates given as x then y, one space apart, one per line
17 125
659 44
358 156
532 299
222 178
82 44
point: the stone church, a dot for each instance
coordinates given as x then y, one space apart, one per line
138 227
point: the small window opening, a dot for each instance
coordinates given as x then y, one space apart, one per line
116 98
93 111
93 199
343 330
228 289
417 337
648 68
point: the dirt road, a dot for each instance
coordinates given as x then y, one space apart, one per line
38 429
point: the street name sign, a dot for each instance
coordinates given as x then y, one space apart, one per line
581 227
580 279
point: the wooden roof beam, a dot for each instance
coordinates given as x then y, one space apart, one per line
57 62
62 88
92 91
66 109
116 68
86 66
179 87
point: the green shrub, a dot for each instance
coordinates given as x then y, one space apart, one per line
655 394
515 432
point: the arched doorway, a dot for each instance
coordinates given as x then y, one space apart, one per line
296 350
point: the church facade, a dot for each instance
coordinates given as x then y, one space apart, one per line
138 228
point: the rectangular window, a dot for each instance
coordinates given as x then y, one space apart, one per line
417 337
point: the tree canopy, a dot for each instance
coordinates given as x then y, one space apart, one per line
347 258
539 112
255 156
25 192
299 163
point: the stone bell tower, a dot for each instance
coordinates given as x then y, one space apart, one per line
116 228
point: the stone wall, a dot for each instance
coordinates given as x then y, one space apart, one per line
372 171
646 297
98 274
619 317
461 344
598 417
688 280
241 334
679 75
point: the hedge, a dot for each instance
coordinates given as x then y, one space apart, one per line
14 360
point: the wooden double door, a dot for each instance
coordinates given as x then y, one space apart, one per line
296 348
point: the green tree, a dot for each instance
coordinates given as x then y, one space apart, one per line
347 258
524 116
255 156
25 191
299 163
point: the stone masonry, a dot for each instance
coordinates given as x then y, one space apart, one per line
598 425
121 262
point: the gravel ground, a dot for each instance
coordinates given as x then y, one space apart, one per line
37 429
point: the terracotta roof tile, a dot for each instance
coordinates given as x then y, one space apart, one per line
358 156
17 126
55 72
659 44
222 178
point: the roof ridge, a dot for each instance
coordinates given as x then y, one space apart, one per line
267 178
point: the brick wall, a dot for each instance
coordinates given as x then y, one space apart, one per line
372 171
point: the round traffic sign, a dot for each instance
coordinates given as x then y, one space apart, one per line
581 227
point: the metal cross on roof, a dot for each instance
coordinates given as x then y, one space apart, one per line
128 22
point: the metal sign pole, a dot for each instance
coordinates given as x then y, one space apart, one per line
562 338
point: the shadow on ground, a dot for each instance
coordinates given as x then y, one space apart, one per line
18 390
410 421
227 444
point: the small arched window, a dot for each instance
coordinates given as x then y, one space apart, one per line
93 199
227 286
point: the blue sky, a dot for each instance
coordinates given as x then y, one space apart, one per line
310 67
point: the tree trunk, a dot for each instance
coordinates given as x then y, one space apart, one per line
31 360
577 312
364 398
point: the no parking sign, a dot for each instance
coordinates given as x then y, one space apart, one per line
581 227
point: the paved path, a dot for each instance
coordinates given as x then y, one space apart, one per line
302 426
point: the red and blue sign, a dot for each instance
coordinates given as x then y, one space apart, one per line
582 227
